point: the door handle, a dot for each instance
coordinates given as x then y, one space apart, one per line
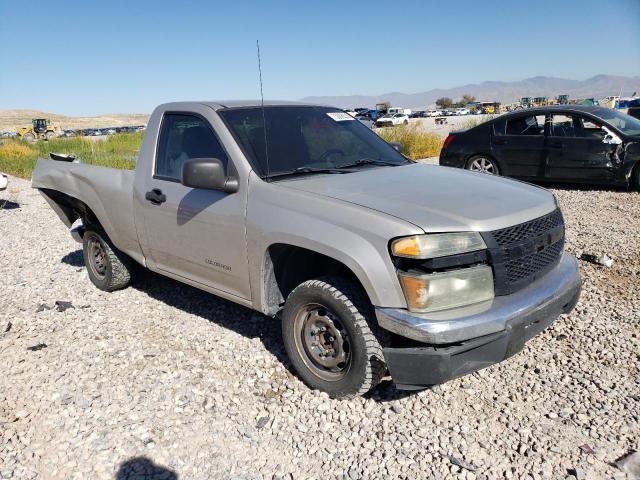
155 196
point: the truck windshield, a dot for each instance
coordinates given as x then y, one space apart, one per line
301 137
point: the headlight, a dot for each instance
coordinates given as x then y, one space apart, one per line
439 291
437 245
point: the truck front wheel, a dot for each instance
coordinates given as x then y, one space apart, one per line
328 338
108 268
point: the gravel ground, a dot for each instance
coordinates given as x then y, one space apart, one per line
163 381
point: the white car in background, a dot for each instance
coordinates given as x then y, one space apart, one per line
433 113
463 111
4 181
391 120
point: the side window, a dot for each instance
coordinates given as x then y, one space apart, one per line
183 137
527 125
563 126
575 127
499 127
589 128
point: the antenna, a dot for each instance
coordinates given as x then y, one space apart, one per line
264 119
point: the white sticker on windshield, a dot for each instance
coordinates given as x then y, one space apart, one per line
339 116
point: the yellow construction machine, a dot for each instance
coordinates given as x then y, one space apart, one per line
40 129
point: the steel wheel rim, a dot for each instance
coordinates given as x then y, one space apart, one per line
483 165
323 342
97 257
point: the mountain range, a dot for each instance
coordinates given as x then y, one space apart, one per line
597 87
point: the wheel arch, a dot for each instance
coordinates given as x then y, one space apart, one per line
69 209
287 265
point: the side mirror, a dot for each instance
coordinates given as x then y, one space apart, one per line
396 146
207 173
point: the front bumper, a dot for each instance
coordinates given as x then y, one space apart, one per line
463 340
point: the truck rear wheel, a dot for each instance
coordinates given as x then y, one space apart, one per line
108 268
29 137
328 338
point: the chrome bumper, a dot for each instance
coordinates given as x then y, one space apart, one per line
551 295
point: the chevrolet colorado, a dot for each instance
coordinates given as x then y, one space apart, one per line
373 263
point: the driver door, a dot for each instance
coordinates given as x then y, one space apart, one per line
197 234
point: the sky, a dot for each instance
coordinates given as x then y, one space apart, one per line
89 58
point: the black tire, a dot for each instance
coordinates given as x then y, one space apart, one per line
406 122
109 269
49 135
344 309
476 163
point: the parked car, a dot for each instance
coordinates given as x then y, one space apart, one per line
393 119
634 112
392 110
462 111
4 181
567 143
372 262
417 114
434 113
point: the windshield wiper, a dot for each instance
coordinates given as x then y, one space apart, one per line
369 161
305 170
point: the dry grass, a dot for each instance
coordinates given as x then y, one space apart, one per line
416 142
18 157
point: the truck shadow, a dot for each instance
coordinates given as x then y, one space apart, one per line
142 467
227 314
75 259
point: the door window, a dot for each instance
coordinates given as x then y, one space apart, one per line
575 126
529 125
183 137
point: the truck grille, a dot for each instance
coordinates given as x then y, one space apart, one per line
539 226
523 253
523 267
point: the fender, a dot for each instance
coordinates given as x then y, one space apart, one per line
324 225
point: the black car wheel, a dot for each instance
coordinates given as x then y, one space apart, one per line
328 338
108 268
483 164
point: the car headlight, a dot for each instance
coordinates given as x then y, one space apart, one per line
437 245
454 288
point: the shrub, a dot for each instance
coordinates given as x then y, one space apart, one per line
18 157
416 142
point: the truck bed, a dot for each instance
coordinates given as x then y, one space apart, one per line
108 192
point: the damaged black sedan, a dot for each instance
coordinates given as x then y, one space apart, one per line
568 143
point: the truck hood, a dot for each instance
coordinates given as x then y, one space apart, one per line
434 198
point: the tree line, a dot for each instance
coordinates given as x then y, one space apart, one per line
446 102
